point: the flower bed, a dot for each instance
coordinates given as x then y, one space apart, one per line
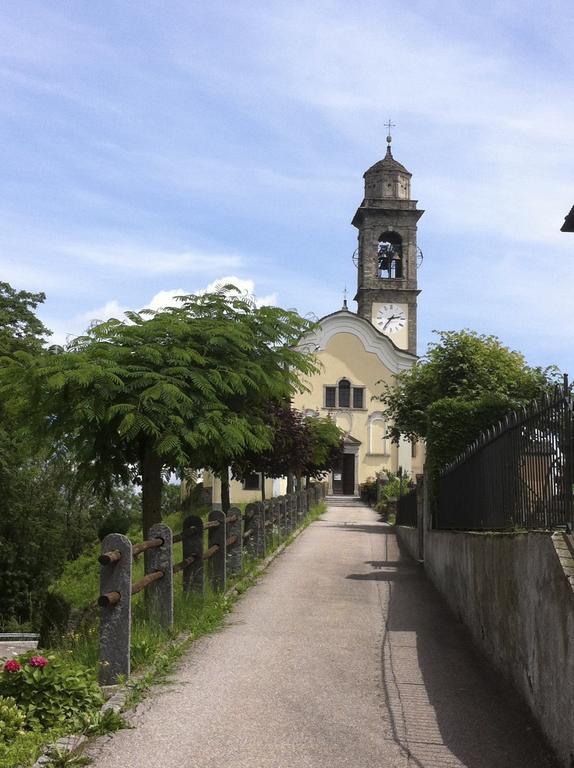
42 697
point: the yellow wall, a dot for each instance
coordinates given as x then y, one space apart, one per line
239 496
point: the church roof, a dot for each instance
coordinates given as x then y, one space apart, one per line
345 321
388 163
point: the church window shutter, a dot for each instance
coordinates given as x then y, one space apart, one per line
344 393
251 482
358 397
330 397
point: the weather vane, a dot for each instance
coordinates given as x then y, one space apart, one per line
388 126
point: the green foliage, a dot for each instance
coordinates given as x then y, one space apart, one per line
180 387
12 719
306 445
20 329
27 747
465 383
57 694
100 722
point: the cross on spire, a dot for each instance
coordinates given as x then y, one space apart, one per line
388 126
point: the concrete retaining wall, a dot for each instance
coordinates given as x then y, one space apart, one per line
513 593
409 539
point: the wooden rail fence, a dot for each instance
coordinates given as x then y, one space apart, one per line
229 538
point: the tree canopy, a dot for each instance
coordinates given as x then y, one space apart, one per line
301 445
464 384
19 326
135 398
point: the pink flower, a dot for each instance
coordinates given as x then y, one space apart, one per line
38 661
12 666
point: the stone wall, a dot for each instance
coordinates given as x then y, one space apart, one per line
515 594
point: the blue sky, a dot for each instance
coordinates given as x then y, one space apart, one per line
150 147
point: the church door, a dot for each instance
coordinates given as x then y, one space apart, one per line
344 475
348 474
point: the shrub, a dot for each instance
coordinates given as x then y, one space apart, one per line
51 691
12 719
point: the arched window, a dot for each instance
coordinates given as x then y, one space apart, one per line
390 255
344 393
378 441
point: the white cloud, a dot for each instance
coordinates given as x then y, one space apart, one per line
128 258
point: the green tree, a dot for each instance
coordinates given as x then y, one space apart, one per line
301 445
19 326
464 384
135 399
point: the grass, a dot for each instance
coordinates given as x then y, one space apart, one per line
27 748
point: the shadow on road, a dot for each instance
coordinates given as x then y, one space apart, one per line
447 706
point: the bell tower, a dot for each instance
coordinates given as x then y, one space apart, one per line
387 253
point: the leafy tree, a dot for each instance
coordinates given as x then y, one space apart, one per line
19 326
464 384
326 440
135 399
301 446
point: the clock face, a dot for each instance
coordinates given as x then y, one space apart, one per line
390 318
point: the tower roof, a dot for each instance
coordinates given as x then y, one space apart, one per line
388 163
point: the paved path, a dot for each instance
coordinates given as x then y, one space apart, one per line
9 648
342 655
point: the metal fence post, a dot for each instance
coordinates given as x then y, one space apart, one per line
192 546
115 615
160 603
234 548
217 537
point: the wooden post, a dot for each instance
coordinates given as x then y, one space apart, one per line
234 549
192 546
160 592
115 617
217 565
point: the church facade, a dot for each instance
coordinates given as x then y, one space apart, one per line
358 351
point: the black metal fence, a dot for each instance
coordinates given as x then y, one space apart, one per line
407 509
517 475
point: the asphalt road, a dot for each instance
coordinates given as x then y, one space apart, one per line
342 655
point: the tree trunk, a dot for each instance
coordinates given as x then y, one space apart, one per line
152 484
224 477
289 482
299 481
263 486
307 481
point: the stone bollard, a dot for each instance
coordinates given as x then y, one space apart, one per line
115 617
234 550
281 517
302 507
268 522
293 511
192 546
217 562
258 528
160 592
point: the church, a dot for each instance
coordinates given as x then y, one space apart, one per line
358 351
